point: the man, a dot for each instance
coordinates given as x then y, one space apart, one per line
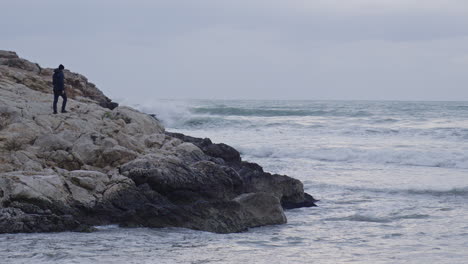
59 89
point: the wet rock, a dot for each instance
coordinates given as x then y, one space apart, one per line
13 220
223 151
288 190
261 209
166 175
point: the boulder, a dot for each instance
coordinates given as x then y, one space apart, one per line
261 209
51 142
5 54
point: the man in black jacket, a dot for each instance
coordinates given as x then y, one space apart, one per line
59 89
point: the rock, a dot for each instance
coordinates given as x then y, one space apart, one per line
288 190
4 54
102 164
116 156
13 220
87 153
26 161
219 181
223 151
90 180
8 115
32 188
308 201
189 152
136 123
167 175
21 64
64 159
261 209
154 140
108 143
51 142
33 76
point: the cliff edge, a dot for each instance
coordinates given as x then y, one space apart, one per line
107 164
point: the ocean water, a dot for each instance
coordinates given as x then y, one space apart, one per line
392 179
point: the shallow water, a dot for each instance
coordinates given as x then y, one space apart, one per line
392 178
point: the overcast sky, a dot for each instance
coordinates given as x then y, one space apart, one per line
250 49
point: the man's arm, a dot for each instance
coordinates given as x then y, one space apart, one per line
62 81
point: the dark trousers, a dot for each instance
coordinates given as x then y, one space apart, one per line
57 94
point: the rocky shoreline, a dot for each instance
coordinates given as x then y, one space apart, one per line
105 164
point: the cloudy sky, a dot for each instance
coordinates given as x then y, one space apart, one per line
250 49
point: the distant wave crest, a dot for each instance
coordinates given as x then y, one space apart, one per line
262 112
453 192
437 158
377 219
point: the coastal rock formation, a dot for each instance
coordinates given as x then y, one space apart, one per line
107 164
18 70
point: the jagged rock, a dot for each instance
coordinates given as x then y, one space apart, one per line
166 175
190 152
223 151
103 164
262 208
288 190
227 153
21 64
13 220
4 54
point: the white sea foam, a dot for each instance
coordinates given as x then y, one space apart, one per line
434 192
377 219
391 177
106 227
171 113
411 157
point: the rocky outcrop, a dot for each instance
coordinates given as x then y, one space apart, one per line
101 165
288 190
18 70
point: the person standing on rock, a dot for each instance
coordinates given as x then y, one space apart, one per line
59 88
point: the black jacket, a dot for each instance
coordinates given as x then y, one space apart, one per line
58 80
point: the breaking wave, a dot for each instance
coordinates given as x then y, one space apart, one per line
452 192
377 219
440 158
241 111
347 120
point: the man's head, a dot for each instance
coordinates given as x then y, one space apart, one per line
61 67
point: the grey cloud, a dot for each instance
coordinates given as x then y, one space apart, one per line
297 49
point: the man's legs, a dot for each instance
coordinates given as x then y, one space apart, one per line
64 103
56 96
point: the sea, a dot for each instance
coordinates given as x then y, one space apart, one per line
391 177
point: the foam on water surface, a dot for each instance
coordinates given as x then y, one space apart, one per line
392 179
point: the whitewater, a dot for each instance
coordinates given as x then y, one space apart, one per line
392 179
